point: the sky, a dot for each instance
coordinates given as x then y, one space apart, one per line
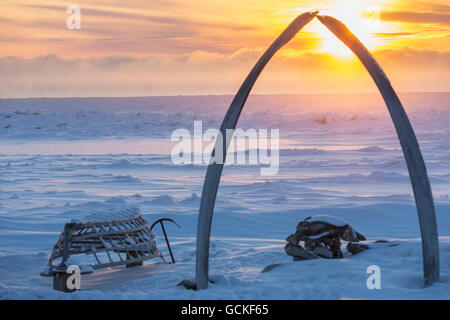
178 47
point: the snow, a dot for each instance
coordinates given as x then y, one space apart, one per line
338 222
97 157
112 214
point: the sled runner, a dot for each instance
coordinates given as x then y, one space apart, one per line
113 238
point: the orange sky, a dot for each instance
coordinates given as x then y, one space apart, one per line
168 47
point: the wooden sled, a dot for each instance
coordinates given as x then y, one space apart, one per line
114 238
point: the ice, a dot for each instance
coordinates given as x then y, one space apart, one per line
102 158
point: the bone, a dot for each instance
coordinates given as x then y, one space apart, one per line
411 151
214 171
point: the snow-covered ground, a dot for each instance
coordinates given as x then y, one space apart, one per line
61 159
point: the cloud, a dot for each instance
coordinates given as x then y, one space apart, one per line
203 72
164 19
416 17
127 29
405 57
389 35
428 5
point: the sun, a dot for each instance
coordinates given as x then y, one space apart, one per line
361 17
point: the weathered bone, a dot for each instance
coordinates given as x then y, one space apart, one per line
410 147
214 171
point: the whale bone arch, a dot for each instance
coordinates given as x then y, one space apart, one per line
416 166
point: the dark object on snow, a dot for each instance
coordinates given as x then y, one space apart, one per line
271 267
188 284
355 248
321 236
117 237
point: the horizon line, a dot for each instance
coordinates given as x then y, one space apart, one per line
218 95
